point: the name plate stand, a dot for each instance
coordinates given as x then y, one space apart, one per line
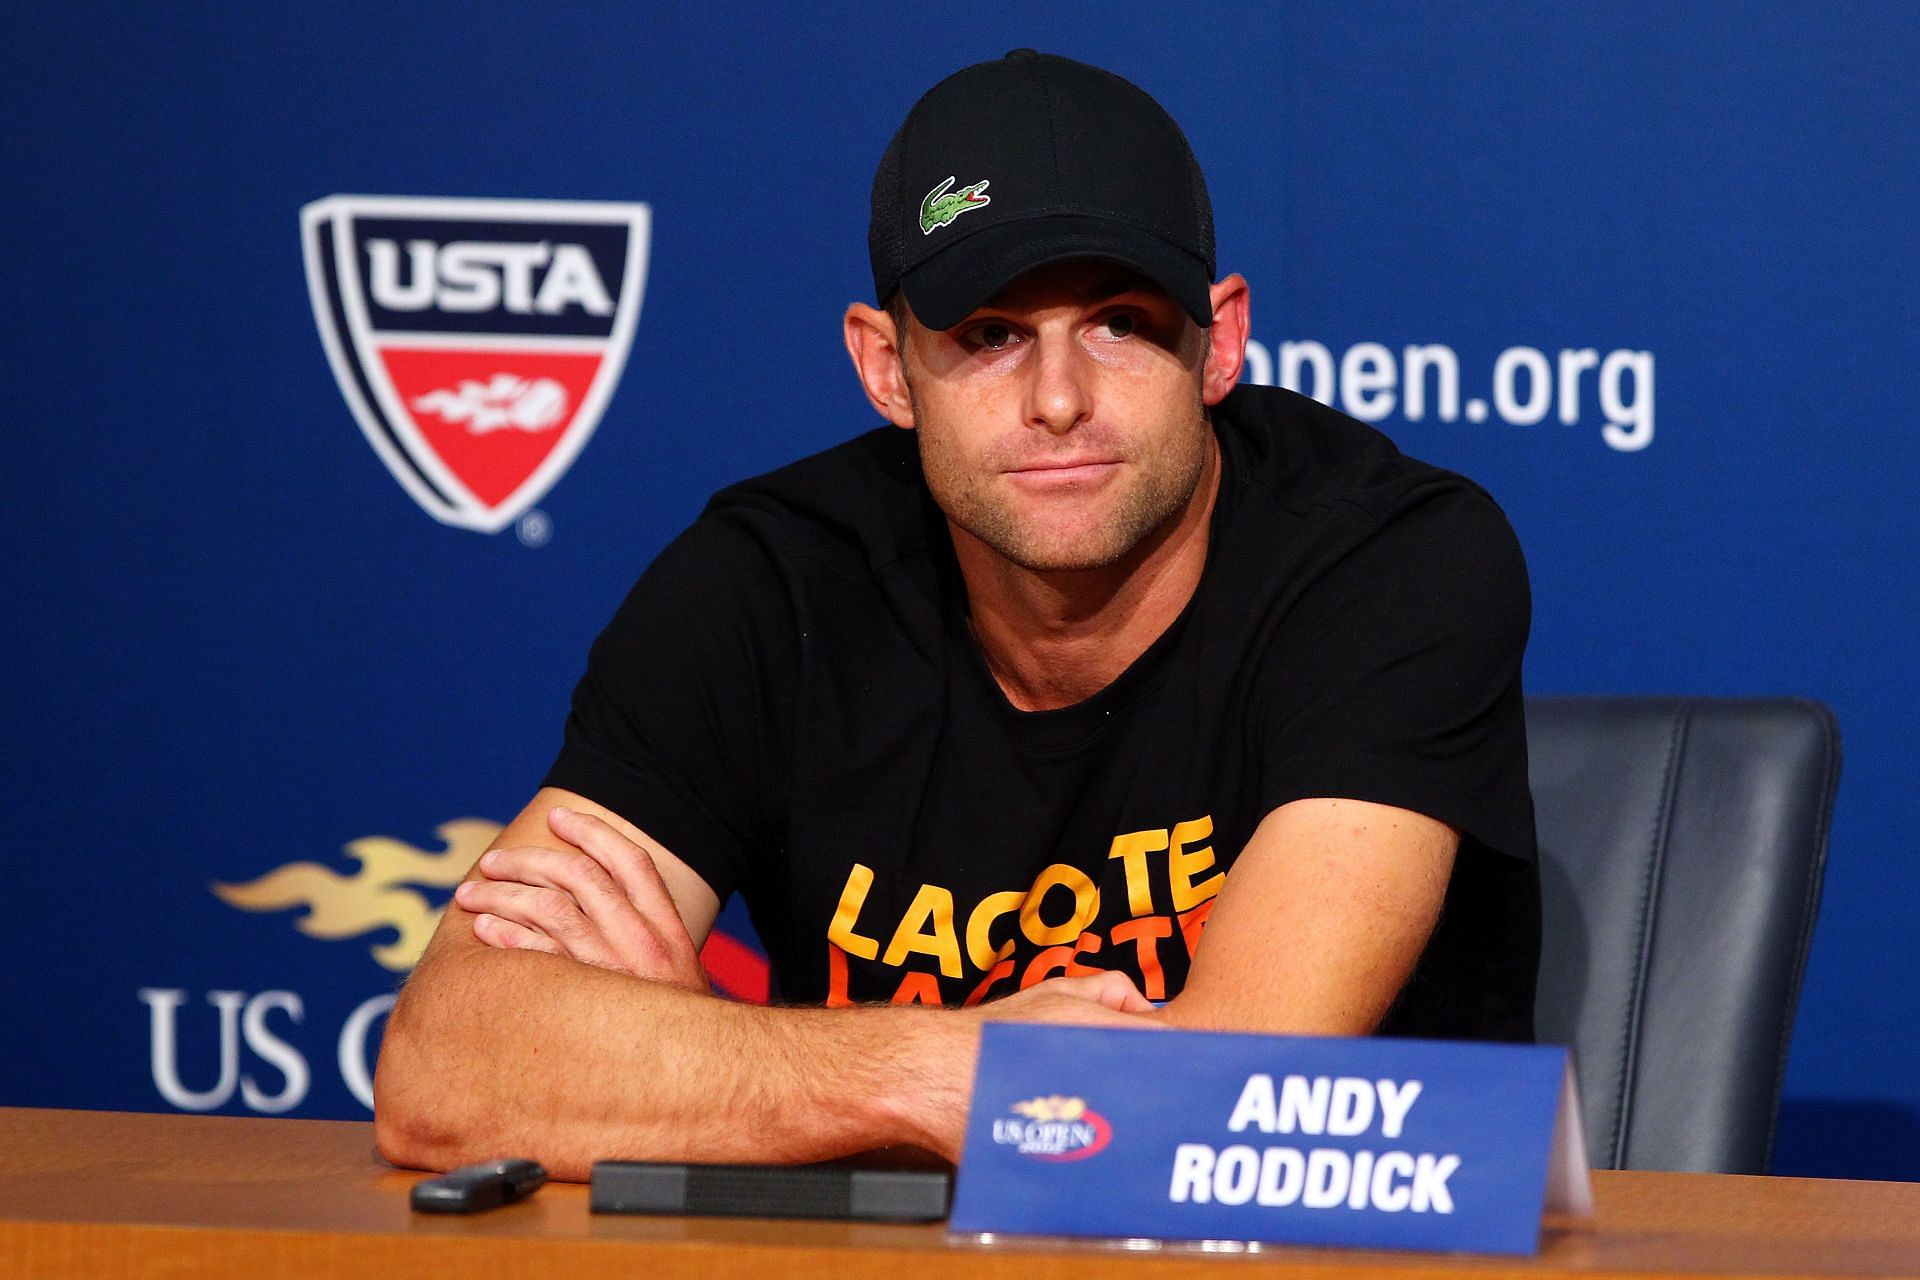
1189 1135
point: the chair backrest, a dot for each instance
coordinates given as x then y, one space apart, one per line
1682 842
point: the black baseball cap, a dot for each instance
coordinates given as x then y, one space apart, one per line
1008 165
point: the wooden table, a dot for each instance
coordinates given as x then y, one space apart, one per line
92 1193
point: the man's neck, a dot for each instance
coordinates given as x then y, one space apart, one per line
1054 639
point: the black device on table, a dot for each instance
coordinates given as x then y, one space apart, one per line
890 1185
479 1186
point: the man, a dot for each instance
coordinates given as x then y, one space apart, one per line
1001 715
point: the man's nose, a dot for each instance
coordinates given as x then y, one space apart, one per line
1060 394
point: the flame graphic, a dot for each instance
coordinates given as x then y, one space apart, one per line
1052 1107
374 897
505 400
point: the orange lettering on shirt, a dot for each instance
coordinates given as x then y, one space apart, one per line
1145 934
1192 923
1132 850
1086 905
931 906
1183 865
918 988
1087 942
980 948
1043 966
1002 970
853 896
836 978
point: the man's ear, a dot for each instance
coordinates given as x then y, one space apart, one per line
1226 339
878 361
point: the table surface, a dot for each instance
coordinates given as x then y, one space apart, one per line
90 1193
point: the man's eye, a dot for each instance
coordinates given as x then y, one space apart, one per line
994 337
1120 326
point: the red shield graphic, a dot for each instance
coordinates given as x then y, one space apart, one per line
476 341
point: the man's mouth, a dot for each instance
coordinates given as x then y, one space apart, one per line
1063 469
1064 476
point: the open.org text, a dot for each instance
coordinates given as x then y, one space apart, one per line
1374 382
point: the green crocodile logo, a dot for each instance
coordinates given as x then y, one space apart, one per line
941 207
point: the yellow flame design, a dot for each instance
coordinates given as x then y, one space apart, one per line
373 898
1052 1107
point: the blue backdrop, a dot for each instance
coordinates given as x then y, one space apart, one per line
1648 275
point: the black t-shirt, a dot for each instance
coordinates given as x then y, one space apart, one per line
790 701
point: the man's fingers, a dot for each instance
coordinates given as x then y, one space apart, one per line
551 913
1105 999
1111 988
628 864
570 871
507 935
582 878
578 897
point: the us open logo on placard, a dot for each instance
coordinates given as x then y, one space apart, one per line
476 341
1053 1128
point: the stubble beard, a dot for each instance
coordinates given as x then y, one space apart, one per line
1163 482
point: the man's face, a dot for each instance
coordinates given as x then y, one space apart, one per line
1062 423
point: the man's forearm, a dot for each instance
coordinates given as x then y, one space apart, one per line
491 1053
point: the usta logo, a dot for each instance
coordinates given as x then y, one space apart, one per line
471 276
447 322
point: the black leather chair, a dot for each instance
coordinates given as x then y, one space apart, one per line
1682 842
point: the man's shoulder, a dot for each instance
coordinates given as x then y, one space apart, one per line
862 499
1321 493
1303 455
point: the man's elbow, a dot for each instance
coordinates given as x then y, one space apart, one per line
422 1119
411 1127
400 1140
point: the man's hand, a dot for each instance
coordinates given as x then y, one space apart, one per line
601 901
1104 999
950 1043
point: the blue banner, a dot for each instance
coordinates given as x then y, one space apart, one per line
295 602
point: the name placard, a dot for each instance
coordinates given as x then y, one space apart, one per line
1190 1135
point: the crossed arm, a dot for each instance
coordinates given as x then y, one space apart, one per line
560 1010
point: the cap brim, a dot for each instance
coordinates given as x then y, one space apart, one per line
952 285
